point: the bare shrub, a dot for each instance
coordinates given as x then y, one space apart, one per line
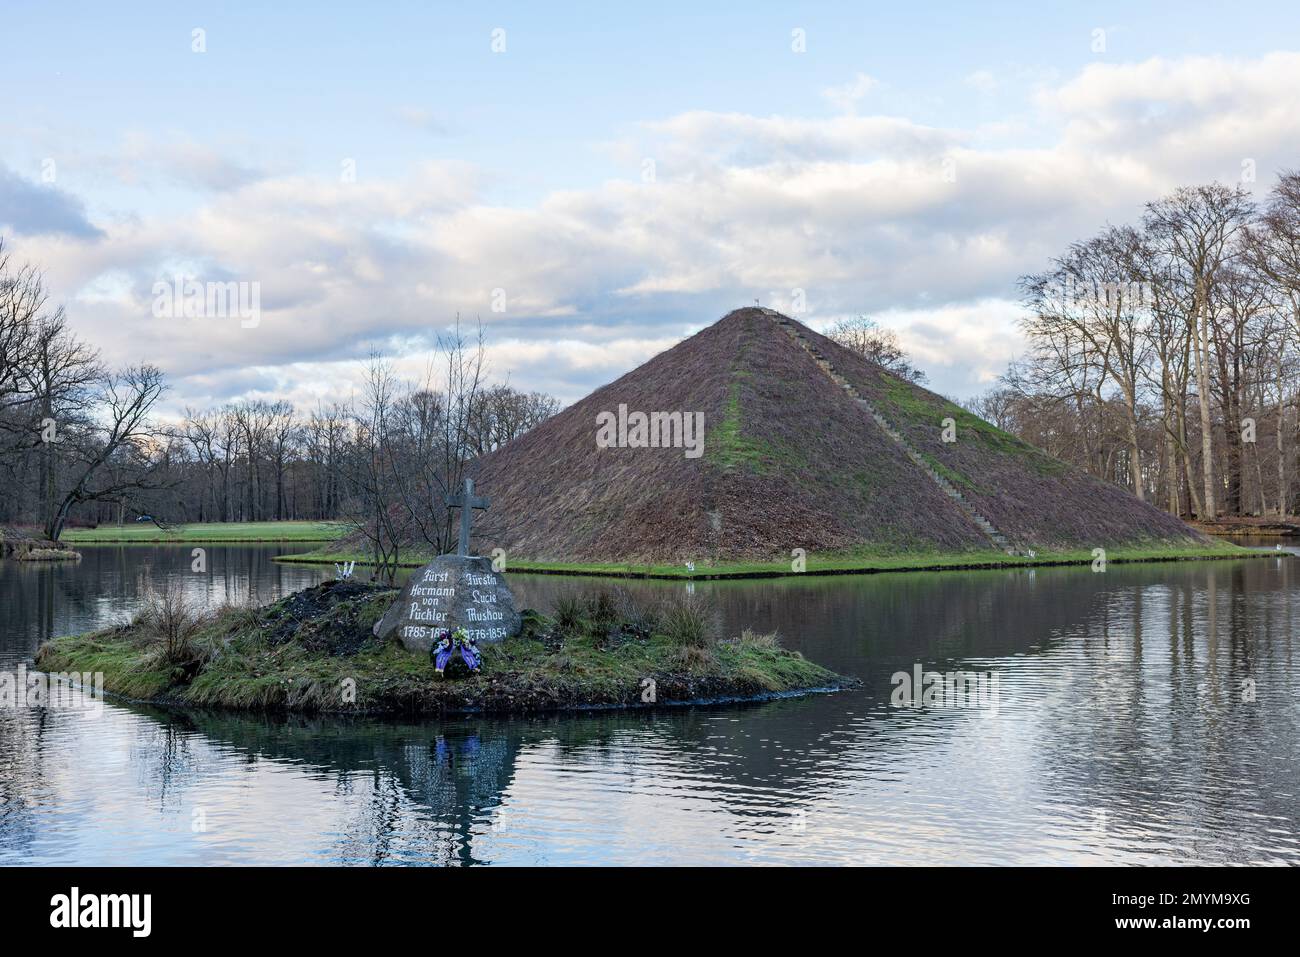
168 622
639 616
690 620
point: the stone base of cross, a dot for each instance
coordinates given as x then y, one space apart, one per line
466 501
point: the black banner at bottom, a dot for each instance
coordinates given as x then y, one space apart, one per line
332 906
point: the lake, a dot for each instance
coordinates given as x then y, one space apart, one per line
1147 714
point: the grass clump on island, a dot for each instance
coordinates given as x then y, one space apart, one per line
210 532
314 651
860 563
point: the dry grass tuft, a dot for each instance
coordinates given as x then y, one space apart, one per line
568 610
601 610
694 658
752 639
690 620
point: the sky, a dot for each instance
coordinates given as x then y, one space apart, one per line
595 183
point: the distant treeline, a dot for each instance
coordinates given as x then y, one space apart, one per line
1165 355
259 461
82 443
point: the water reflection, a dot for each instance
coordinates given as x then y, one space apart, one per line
41 599
1125 731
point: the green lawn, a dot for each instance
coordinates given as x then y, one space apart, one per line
829 564
212 532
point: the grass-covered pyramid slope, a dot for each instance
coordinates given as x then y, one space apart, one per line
1030 496
792 459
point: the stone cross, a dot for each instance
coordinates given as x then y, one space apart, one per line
466 502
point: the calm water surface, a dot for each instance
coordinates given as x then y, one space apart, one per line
1124 732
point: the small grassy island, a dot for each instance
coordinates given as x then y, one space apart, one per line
26 547
314 651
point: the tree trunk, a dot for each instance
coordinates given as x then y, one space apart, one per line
1281 449
1234 462
1201 323
1135 448
1187 466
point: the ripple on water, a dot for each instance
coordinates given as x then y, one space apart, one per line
1122 733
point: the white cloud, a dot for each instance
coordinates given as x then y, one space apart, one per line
1191 118
845 98
864 213
181 161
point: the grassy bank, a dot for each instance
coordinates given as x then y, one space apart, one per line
830 564
314 651
208 532
1288 527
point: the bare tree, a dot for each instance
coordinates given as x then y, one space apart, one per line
326 435
1094 299
444 444
119 429
77 443
375 466
1197 231
501 414
1157 355
22 302
1273 242
863 335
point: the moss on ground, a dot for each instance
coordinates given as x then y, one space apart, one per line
314 651
920 409
727 446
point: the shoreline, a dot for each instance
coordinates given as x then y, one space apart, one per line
829 566
176 703
209 533
1278 528
319 534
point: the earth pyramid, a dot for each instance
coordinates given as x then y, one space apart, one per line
803 444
